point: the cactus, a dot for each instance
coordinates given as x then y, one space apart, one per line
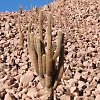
21 36
40 30
49 54
44 61
28 35
59 52
26 15
20 9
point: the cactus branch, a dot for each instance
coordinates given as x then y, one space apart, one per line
21 36
33 54
59 44
20 9
44 64
49 54
39 52
40 25
60 65
40 30
28 35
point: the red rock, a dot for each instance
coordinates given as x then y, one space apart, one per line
24 96
32 92
97 97
65 97
26 78
27 98
7 26
39 85
72 89
9 97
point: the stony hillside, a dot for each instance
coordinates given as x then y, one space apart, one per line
80 22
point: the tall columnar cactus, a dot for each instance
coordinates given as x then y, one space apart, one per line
21 36
26 15
20 9
28 35
44 60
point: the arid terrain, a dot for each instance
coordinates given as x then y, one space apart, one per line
79 20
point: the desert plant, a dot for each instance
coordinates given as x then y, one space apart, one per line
21 36
20 9
44 58
26 15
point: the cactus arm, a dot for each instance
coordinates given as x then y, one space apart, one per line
21 36
33 54
28 35
49 55
60 65
40 25
39 52
44 68
40 30
31 48
57 52
44 64
20 9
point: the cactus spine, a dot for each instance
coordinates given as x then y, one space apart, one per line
44 60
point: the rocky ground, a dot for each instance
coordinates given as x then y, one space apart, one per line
81 26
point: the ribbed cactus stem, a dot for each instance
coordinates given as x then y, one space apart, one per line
21 36
60 65
44 64
40 65
59 44
35 38
33 54
49 54
26 21
40 30
61 71
40 25
20 9
28 35
39 52
44 69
